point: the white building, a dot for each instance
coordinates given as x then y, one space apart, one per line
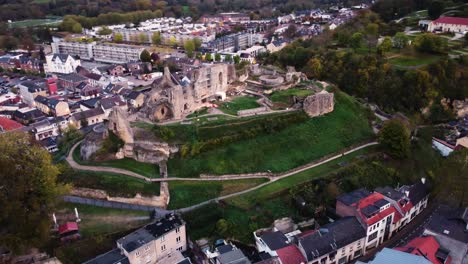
449 24
61 63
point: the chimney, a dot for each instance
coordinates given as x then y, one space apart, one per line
423 180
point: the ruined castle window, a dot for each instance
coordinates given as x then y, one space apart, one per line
220 77
115 126
162 111
185 106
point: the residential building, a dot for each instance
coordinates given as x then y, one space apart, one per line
70 81
44 129
88 117
230 43
374 212
153 243
30 64
84 50
276 45
136 99
338 242
449 24
116 53
28 115
449 226
29 90
108 103
7 125
87 91
387 255
52 106
229 254
428 247
61 63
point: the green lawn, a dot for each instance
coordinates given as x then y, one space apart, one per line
279 151
239 103
286 96
414 61
145 169
35 22
114 184
187 193
258 209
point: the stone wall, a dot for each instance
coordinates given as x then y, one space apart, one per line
91 144
319 104
252 111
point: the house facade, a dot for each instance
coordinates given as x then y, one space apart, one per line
61 63
51 106
449 24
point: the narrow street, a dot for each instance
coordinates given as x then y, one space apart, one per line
412 230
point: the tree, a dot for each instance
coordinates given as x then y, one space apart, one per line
228 58
189 47
435 9
236 59
156 38
118 38
450 179
314 68
222 227
208 57
145 56
290 32
430 43
385 46
173 41
197 42
217 57
356 40
400 40
77 28
142 37
395 139
104 31
28 192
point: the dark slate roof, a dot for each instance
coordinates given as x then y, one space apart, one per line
390 193
275 240
234 256
111 257
224 248
32 86
417 192
150 232
370 210
109 102
332 237
88 113
450 222
185 261
380 203
93 76
62 57
353 197
50 102
133 95
34 114
72 77
90 103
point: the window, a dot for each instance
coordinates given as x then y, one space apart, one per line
178 239
137 253
163 247
179 249
163 238
378 225
372 236
147 248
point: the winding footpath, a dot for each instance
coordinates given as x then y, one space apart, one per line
272 178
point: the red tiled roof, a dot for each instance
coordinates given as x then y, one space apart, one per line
8 124
452 20
290 255
67 227
424 246
371 199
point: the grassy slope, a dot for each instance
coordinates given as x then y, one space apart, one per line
114 184
284 150
406 61
239 103
145 169
258 209
187 193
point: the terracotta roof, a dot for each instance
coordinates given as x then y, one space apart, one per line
67 227
8 124
290 255
452 20
424 246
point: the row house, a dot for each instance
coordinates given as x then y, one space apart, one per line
87 91
52 106
154 243
21 62
48 128
29 90
339 242
277 245
70 81
88 117
28 115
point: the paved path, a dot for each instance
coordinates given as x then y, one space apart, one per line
272 177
